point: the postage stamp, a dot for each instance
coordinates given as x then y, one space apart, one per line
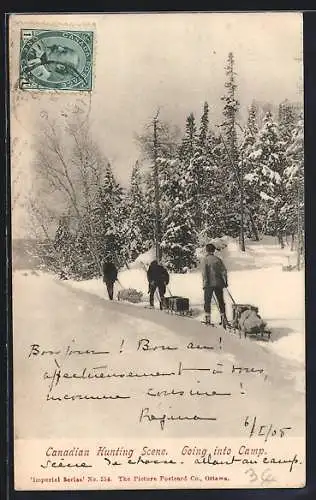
60 60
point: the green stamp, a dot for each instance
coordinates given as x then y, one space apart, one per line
58 60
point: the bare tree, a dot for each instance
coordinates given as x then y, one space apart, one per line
68 173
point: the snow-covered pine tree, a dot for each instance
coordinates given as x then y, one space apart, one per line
179 238
107 217
202 170
206 161
251 197
293 210
215 200
87 261
189 140
204 128
192 167
287 120
63 245
135 223
268 158
232 215
231 108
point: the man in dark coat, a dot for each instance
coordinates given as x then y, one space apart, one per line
214 280
109 276
158 277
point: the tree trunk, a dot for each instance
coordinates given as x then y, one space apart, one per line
254 228
281 241
157 205
242 229
292 241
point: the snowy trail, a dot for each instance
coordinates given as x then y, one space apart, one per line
242 349
255 277
77 318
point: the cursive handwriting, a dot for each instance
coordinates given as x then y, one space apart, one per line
145 345
37 351
244 369
280 461
209 460
76 397
141 460
61 464
192 392
149 417
98 372
108 461
197 346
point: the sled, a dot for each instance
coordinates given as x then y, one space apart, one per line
238 309
177 305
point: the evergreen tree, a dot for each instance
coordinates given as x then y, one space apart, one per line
268 158
204 129
107 218
213 188
135 224
287 120
231 107
215 201
203 164
231 198
179 237
252 128
188 145
252 198
191 160
293 210
63 245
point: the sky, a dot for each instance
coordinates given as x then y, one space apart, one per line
145 61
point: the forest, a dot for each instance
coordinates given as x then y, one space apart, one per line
189 186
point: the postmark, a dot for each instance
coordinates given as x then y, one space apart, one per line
56 60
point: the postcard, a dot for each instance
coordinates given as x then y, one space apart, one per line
157 195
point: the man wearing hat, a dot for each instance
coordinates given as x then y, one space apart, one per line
214 275
109 276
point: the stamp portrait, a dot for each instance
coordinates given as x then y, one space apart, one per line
60 60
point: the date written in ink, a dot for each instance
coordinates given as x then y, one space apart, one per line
257 429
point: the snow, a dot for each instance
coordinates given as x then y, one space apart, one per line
48 313
255 277
265 196
145 258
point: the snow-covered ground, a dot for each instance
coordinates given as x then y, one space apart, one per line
255 276
54 316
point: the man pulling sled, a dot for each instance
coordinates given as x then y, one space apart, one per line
158 277
214 275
